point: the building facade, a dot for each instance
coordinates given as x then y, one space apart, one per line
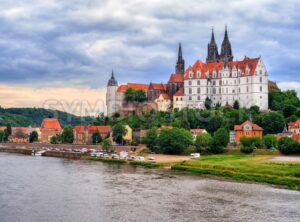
220 78
247 129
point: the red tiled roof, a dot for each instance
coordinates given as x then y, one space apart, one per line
79 129
205 68
254 126
51 123
2 128
293 124
180 92
164 95
100 129
158 86
296 137
176 78
197 131
137 86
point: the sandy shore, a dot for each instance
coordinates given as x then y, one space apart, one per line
295 159
159 158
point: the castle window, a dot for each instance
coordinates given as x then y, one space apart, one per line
190 91
181 99
190 83
220 82
198 97
191 74
260 72
214 83
190 98
247 89
260 88
260 79
198 74
239 89
198 90
198 82
226 90
214 90
220 90
233 91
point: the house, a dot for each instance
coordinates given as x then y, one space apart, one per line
19 135
294 127
247 129
178 99
49 127
83 134
128 136
163 102
196 132
285 133
296 137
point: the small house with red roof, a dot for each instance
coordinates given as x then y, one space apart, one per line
247 129
178 99
49 127
294 127
83 134
196 132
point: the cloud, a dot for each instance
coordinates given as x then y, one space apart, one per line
79 101
76 44
290 85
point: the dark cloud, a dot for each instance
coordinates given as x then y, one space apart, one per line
77 43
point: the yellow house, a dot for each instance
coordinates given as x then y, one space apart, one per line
128 136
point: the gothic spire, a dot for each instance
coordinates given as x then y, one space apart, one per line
212 49
180 62
112 81
226 52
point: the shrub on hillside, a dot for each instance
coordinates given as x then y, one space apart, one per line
219 141
247 149
287 146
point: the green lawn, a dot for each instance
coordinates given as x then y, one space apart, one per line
253 167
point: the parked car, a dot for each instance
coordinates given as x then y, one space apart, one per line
84 150
195 155
140 158
105 155
151 158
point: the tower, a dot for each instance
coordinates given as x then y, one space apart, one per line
180 62
111 95
226 53
212 50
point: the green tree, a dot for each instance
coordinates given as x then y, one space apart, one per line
56 139
1 136
118 132
288 146
236 104
151 139
220 141
67 135
174 141
106 144
272 122
208 103
203 142
101 120
132 95
96 138
270 141
33 137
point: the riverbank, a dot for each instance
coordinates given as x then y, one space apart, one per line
257 167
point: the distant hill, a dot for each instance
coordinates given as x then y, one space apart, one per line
34 117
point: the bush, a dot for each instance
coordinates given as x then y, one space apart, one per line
270 141
256 142
247 149
219 141
288 146
203 142
189 150
151 139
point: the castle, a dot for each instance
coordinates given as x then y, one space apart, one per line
221 79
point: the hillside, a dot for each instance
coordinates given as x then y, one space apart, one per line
34 117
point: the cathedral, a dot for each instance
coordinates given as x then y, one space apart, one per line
221 79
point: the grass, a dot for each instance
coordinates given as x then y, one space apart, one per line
252 167
145 164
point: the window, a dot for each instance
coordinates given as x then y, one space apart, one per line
198 82
191 74
190 82
260 88
239 89
233 91
198 97
214 90
220 83
214 83
198 74
207 90
247 133
190 91
226 90
198 90
247 89
260 72
181 99
260 79
190 98
176 98
220 90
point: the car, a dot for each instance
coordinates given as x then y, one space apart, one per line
195 155
105 155
140 158
151 158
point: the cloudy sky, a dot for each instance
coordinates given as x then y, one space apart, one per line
65 50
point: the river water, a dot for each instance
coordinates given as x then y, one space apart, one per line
38 189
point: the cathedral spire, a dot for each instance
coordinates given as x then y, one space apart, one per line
212 49
112 81
226 52
180 62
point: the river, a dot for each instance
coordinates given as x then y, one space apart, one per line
41 189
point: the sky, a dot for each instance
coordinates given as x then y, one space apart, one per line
64 51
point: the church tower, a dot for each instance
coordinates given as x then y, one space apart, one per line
180 62
111 95
226 53
212 50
